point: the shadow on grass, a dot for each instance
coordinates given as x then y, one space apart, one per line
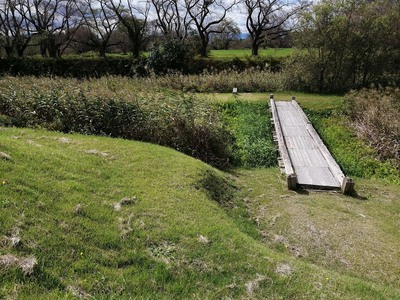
302 191
355 195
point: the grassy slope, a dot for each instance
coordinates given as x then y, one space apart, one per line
351 235
58 198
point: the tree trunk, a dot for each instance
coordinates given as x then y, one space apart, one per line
135 39
20 51
204 45
52 47
9 51
254 48
102 50
135 50
43 48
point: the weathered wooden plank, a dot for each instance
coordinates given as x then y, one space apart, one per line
291 176
303 150
334 167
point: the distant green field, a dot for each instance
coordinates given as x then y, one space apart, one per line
242 53
273 52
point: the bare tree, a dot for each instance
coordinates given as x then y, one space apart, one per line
172 18
54 21
134 19
102 22
206 15
15 32
229 31
267 19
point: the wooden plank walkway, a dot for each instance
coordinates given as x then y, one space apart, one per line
306 159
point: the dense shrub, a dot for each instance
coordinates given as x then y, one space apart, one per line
347 45
171 55
375 115
353 154
182 122
214 65
249 80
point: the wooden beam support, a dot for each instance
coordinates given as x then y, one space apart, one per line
292 182
347 186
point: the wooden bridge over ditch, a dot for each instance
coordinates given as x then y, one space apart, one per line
303 156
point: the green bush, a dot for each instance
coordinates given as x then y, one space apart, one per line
171 55
375 115
214 65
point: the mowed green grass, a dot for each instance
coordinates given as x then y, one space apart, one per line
357 236
306 100
242 53
176 234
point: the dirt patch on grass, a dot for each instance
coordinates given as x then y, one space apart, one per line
342 236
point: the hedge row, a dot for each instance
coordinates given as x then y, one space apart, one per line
73 67
120 66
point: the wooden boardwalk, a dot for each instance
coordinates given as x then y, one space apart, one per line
306 160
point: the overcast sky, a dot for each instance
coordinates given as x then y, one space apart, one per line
237 14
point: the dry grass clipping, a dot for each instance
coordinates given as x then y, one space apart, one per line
97 152
5 156
284 270
124 201
78 292
253 285
25 264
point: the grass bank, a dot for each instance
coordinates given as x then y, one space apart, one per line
85 216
